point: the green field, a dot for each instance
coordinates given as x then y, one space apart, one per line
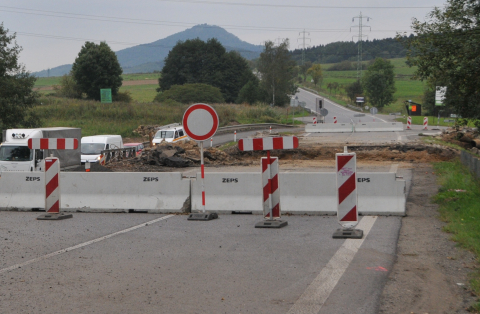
407 89
50 81
141 93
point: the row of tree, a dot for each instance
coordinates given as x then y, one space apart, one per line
198 62
348 51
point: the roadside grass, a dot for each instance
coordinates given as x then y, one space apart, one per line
432 121
120 118
458 198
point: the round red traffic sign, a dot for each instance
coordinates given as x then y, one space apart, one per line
200 122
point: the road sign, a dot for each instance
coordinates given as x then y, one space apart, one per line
373 110
200 122
366 107
360 99
106 95
324 112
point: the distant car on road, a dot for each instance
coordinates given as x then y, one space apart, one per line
138 147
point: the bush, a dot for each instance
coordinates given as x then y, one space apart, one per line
192 93
123 97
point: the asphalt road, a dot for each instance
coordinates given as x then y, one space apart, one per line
148 263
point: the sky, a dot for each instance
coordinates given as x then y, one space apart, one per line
52 32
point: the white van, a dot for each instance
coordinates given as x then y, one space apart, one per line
92 146
170 135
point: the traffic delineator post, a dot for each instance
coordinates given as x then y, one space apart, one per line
52 191
314 120
347 212
270 186
334 119
425 123
409 123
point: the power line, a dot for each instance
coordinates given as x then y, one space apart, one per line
156 22
295 5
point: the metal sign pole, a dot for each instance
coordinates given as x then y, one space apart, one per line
203 176
270 185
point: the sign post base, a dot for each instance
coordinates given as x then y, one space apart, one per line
271 224
54 216
202 216
348 234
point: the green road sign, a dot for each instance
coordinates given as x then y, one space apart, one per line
106 95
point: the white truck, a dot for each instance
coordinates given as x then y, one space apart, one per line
16 156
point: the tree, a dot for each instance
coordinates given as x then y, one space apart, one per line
97 67
16 86
445 49
196 61
378 83
315 71
191 93
353 90
249 93
304 68
277 73
68 88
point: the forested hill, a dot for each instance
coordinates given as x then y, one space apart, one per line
347 50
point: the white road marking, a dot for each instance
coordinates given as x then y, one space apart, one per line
41 258
307 134
394 168
313 298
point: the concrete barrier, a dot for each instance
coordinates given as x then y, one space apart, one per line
379 127
329 128
229 191
99 192
379 193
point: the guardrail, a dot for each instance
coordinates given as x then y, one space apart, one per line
257 126
119 154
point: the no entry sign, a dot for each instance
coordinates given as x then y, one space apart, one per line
200 122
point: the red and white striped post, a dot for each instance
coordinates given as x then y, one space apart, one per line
347 214
334 119
425 123
314 120
409 123
270 186
271 192
52 188
52 174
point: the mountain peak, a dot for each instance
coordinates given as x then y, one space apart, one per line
149 57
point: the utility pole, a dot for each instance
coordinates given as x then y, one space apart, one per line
303 45
360 39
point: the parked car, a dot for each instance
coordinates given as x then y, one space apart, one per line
138 147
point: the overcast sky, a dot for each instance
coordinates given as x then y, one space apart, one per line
52 32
